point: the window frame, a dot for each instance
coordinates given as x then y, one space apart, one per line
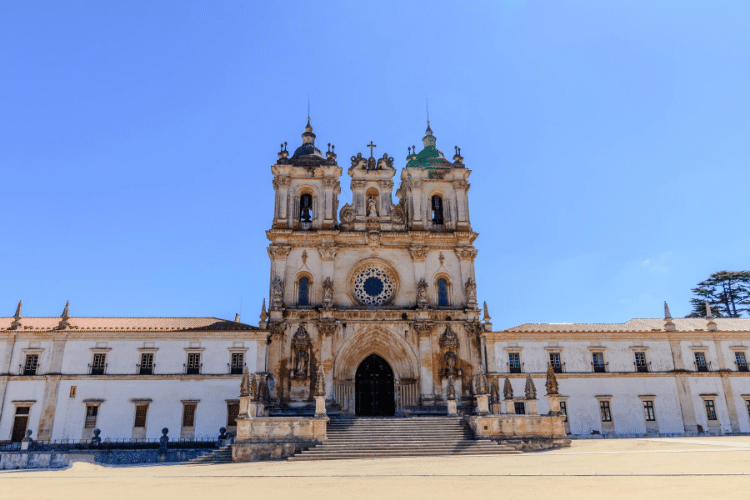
185 405
145 415
31 358
151 354
89 420
194 361
710 405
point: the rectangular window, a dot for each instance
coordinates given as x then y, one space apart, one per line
520 408
188 414
238 363
140 415
554 360
739 358
514 362
98 364
20 424
32 362
605 411
147 363
233 409
92 411
648 408
194 363
700 361
640 362
597 360
710 409
304 292
564 409
747 401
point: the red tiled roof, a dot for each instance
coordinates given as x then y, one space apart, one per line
637 325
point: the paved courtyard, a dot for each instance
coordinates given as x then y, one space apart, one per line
706 467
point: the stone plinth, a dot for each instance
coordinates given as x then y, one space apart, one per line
320 406
532 407
276 438
547 430
452 409
553 401
483 404
510 407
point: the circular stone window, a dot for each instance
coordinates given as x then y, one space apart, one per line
373 286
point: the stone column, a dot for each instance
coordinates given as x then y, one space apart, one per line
51 388
424 333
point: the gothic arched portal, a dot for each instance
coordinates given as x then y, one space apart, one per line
374 388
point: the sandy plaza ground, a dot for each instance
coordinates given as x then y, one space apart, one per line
706 467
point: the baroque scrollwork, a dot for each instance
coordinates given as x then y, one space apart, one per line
347 213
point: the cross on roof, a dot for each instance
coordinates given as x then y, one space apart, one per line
371 145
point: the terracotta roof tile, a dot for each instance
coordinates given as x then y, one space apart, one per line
637 325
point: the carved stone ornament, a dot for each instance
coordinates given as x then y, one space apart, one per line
507 389
330 183
482 382
418 252
277 290
347 213
327 328
551 383
385 162
245 384
466 253
449 340
495 392
277 329
530 388
328 293
279 252
422 294
397 214
356 160
372 207
301 344
451 364
327 251
423 328
373 238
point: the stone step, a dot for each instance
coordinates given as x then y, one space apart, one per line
222 455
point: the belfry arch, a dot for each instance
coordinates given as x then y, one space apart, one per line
393 350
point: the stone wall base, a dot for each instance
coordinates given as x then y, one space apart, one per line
58 459
515 427
256 451
535 444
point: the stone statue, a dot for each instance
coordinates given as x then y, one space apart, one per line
328 293
422 294
450 363
507 389
551 383
320 382
530 388
451 389
300 366
372 208
471 291
245 384
277 298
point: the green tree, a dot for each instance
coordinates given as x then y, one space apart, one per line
728 293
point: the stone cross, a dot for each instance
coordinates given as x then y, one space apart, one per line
371 145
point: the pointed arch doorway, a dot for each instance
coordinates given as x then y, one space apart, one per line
374 383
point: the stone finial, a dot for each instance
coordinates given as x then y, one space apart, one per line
495 391
507 389
482 381
487 318
16 318
668 323
263 313
451 389
320 382
255 393
237 318
245 384
65 317
712 327
530 388
551 383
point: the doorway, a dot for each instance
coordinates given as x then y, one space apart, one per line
374 396
20 424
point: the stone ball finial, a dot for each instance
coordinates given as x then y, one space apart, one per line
165 431
29 432
97 432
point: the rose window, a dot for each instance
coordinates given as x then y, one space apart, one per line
373 286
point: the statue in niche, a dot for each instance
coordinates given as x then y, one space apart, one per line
328 293
300 366
301 344
471 291
451 389
277 298
422 294
451 360
372 207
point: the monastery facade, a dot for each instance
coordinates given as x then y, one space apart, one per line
380 299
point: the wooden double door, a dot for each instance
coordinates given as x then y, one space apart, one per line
374 388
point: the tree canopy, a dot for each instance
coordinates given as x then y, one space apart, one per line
727 292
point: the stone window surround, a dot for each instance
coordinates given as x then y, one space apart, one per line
39 351
138 402
739 348
712 396
609 424
311 296
91 402
513 350
187 402
644 350
652 398
564 399
597 349
554 350
448 290
704 350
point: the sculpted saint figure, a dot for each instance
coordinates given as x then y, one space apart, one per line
372 208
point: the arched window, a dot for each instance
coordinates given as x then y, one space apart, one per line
305 208
303 292
442 287
437 210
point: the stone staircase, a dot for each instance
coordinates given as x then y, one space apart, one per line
221 455
399 437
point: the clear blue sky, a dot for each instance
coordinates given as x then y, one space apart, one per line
609 143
